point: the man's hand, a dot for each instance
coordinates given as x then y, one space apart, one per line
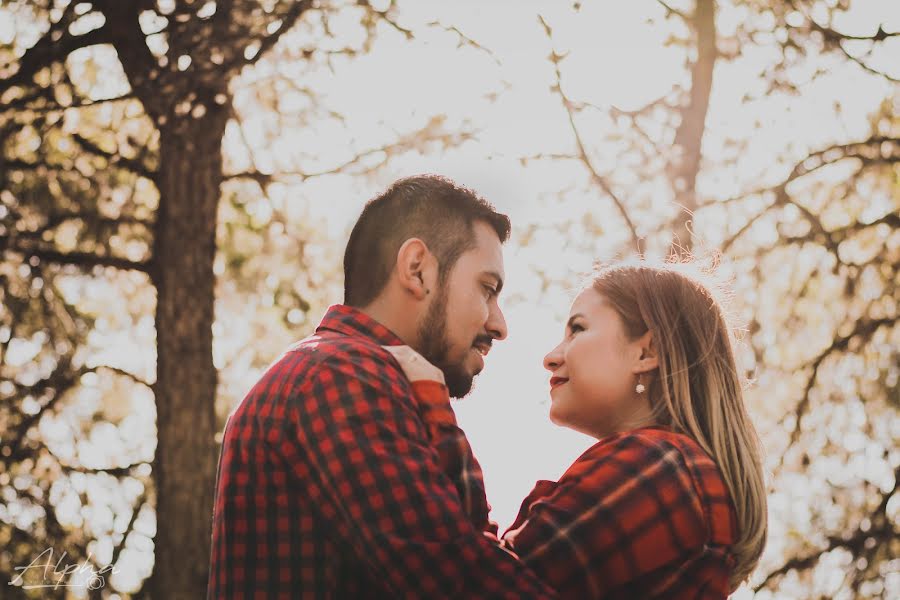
414 364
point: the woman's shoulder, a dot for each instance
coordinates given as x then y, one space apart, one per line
657 449
669 458
648 442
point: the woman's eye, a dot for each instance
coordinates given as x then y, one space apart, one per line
576 328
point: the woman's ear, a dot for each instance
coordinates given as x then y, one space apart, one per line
648 359
415 264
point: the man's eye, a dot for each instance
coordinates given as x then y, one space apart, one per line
491 292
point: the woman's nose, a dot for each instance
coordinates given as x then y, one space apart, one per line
553 360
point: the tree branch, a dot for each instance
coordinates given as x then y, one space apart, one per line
79 259
675 12
404 143
837 37
865 66
115 159
54 46
582 153
868 152
266 43
141 499
864 329
855 543
54 106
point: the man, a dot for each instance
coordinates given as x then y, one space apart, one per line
328 484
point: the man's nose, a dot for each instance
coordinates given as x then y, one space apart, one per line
496 324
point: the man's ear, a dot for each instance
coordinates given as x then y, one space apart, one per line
649 357
416 268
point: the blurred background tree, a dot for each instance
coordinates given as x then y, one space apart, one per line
113 120
177 180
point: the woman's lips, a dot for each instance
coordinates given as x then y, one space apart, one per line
557 381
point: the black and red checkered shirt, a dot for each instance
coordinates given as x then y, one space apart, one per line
329 484
641 514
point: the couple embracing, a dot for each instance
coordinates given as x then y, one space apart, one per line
343 473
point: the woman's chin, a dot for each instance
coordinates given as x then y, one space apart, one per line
557 415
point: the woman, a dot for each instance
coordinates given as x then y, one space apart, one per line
670 502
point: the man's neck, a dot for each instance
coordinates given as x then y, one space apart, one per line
395 317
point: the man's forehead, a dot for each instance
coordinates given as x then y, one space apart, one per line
488 251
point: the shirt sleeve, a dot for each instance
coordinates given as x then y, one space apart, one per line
455 455
625 508
355 437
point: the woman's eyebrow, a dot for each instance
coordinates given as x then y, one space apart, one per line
572 318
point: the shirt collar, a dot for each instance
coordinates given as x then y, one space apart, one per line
354 322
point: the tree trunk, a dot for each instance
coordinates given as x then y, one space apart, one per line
189 177
689 136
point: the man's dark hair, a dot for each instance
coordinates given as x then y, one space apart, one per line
429 207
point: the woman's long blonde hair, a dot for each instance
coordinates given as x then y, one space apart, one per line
697 390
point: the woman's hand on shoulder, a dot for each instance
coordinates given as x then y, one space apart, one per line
414 364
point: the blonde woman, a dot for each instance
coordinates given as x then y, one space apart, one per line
670 502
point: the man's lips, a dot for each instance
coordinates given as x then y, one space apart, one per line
482 349
557 381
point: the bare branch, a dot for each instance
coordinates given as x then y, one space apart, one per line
139 503
726 245
874 151
84 260
408 34
404 143
883 531
287 21
582 153
121 372
54 220
864 329
675 12
115 159
55 45
834 39
56 107
465 40
865 66
549 156
837 36
127 470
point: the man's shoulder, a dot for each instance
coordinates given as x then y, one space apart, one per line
326 344
331 349
328 353
320 358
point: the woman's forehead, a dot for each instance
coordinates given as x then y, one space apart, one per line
592 304
587 299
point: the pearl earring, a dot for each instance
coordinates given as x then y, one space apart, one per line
639 388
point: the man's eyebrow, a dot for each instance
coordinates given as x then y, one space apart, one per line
572 318
496 276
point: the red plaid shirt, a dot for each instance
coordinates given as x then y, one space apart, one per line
329 485
642 514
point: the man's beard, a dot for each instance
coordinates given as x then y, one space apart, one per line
435 348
